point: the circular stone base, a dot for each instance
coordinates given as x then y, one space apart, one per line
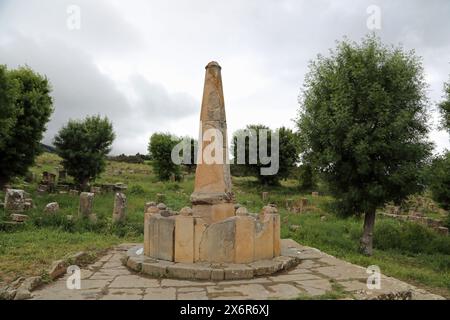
135 260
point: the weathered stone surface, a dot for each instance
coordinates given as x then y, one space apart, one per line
212 178
264 238
245 239
22 294
276 235
51 208
133 281
57 269
120 207
240 271
242 211
86 204
218 241
14 200
149 205
161 206
214 212
161 237
186 211
16 217
160 294
199 228
184 239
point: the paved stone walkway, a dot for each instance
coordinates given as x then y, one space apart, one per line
316 275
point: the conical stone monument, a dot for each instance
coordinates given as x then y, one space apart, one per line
212 198
212 240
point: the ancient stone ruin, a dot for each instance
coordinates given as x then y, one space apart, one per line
211 240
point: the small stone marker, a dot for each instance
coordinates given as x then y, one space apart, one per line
120 207
242 211
148 205
52 207
86 204
15 200
315 194
161 206
73 192
186 211
265 196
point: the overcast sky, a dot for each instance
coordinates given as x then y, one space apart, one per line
141 63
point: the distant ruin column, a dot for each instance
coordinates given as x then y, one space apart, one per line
212 198
86 204
120 207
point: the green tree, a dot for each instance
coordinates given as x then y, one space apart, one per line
26 107
288 152
83 146
438 176
363 122
306 177
160 148
444 107
8 111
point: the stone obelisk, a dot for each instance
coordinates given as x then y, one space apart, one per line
212 199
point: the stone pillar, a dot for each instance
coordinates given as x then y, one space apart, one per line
120 207
14 200
212 177
86 204
184 239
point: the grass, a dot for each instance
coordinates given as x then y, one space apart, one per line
409 252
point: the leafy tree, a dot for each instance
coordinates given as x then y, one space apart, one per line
8 111
363 122
306 177
444 107
288 152
438 176
160 149
83 146
26 107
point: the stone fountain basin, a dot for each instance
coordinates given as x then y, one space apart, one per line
137 261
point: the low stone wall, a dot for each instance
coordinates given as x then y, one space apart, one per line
188 238
435 224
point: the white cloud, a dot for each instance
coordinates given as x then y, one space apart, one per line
142 62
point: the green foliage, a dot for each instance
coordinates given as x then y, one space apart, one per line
8 111
438 176
363 124
26 107
444 107
160 149
83 146
288 153
137 189
306 177
137 158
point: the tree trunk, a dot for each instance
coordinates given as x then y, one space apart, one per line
84 184
3 182
366 244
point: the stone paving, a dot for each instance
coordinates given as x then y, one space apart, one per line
317 275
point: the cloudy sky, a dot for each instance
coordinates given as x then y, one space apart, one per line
142 62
